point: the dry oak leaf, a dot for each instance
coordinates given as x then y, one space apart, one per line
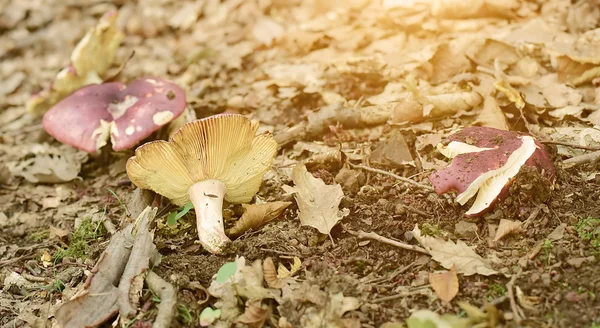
447 253
318 203
445 284
283 272
256 215
507 227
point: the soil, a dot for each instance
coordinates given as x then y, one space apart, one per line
562 290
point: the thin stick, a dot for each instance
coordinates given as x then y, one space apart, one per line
560 143
279 252
168 299
371 235
511 297
390 174
582 159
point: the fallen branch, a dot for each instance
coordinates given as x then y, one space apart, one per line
374 236
566 144
582 159
395 176
168 299
318 123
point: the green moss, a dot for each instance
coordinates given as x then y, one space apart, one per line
496 290
39 236
79 243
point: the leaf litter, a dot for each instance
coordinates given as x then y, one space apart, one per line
351 89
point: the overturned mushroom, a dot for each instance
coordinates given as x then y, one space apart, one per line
206 161
128 114
484 162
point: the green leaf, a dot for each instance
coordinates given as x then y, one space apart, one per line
208 316
226 271
174 216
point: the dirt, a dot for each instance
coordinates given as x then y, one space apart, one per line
554 266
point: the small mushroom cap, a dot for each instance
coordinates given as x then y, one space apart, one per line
220 147
481 152
128 114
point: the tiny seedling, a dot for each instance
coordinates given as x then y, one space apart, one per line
119 200
184 313
208 316
547 247
176 215
589 230
226 271
496 290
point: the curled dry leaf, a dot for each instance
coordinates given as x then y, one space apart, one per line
49 164
270 274
255 315
449 254
445 284
283 272
256 215
507 227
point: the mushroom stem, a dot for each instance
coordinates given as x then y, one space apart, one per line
207 198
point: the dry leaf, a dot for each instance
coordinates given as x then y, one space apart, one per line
445 284
511 93
528 302
318 203
283 272
255 315
270 274
507 227
447 253
492 115
57 232
50 164
256 215
46 259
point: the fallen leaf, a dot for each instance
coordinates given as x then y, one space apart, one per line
255 315
445 284
283 272
256 215
430 319
49 164
208 316
528 302
271 274
492 115
558 232
57 232
507 227
318 203
46 259
448 254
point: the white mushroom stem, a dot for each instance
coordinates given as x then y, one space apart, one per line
207 198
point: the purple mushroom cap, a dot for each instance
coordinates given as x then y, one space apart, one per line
467 167
128 114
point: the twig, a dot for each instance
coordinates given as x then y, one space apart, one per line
511 297
399 295
168 299
371 235
560 143
395 176
279 252
582 159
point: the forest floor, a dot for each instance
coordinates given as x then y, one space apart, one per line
353 90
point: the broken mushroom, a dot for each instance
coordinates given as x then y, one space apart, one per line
484 162
128 114
206 161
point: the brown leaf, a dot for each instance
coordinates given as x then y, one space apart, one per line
57 232
318 203
492 116
507 227
255 315
271 274
445 284
256 215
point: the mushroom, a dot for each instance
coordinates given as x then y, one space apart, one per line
128 114
206 161
484 162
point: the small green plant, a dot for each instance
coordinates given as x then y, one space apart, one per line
184 313
176 215
432 230
79 241
589 230
39 236
547 247
496 290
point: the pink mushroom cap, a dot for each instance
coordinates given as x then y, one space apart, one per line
128 114
467 167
